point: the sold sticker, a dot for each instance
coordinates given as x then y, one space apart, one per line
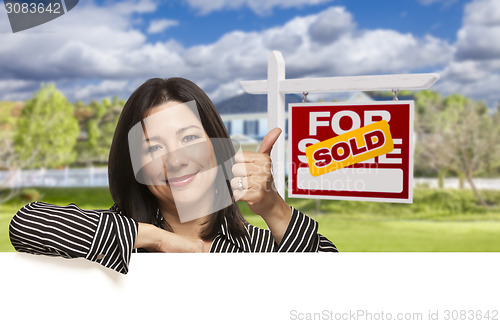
349 148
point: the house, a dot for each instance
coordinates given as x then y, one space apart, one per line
246 115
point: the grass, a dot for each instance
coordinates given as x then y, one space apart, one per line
408 235
438 220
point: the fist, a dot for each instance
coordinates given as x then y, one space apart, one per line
253 180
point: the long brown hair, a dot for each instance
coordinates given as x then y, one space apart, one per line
134 198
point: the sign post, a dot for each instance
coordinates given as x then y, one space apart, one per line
276 86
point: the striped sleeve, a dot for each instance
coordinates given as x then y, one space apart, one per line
324 245
261 240
302 236
113 241
71 232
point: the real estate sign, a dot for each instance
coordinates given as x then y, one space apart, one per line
351 151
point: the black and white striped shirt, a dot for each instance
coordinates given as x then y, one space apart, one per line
107 237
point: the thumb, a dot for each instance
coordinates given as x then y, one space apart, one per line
269 140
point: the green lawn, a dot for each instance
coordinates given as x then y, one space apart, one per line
438 220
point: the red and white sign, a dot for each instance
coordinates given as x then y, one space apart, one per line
384 178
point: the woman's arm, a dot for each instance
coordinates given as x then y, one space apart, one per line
302 235
104 237
291 230
156 239
277 216
253 183
101 236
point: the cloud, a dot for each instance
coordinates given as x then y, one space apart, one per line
158 26
308 53
101 89
478 37
96 51
16 90
128 7
474 69
478 43
431 2
331 24
482 12
260 7
428 2
478 80
90 42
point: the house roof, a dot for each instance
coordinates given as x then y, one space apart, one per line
247 103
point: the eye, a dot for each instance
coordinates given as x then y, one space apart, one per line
189 138
153 148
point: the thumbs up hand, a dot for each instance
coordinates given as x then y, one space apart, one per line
253 180
269 140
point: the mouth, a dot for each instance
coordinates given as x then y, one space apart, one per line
177 182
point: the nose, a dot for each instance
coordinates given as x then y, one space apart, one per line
175 159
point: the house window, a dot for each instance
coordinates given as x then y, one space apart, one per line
227 123
251 127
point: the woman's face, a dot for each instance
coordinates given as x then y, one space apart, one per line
178 163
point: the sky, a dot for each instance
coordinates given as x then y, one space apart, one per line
105 48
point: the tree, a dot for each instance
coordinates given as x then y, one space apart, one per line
428 104
47 130
464 138
98 120
9 160
493 168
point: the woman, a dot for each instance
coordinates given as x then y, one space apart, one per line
174 177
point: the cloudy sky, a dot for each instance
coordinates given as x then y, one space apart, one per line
103 48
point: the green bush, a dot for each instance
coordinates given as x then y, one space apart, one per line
29 195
